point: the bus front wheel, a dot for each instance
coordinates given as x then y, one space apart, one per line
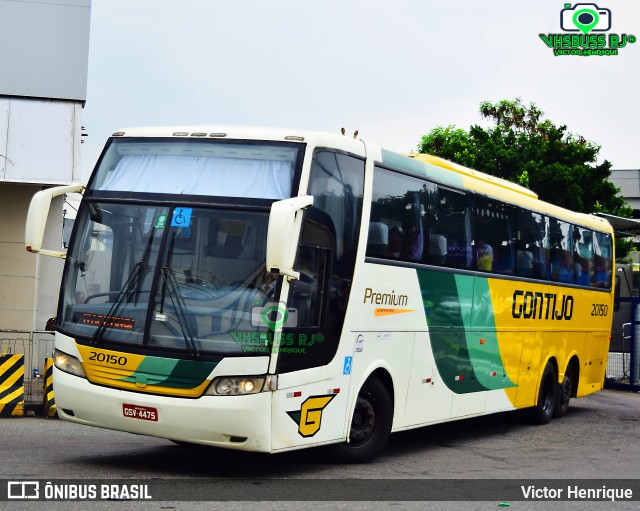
542 412
370 426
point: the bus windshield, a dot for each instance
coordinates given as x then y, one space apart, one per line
197 167
181 267
185 279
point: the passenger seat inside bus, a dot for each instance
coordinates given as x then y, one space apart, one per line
230 257
437 249
378 239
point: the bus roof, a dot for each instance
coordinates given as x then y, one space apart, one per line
455 167
473 180
230 132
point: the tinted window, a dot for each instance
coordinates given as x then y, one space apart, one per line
532 245
450 222
398 214
582 256
494 235
416 220
337 183
326 260
602 254
561 252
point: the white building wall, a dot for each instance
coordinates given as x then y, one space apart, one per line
44 47
39 140
29 284
39 147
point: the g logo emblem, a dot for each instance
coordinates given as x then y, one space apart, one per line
309 417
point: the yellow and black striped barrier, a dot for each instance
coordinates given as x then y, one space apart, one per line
11 385
49 404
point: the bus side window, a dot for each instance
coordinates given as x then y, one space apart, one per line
532 248
582 256
398 216
493 236
602 252
307 292
561 251
337 185
450 223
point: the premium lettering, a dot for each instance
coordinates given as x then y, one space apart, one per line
370 296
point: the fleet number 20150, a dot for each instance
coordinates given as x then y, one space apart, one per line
108 358
599 309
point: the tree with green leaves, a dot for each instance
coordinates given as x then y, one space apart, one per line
525 148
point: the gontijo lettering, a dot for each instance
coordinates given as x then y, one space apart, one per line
536 305
370 296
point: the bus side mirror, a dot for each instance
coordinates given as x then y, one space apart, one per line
38 215
282 236
616 294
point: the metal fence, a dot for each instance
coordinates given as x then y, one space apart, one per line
36 346
623 366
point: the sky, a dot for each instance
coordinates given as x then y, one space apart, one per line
393 70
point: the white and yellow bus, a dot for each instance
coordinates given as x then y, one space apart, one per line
269 290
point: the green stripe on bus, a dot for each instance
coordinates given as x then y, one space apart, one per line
177 374
446 318
189 373
484 351
467 355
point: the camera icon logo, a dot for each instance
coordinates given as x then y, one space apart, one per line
585 18
274 315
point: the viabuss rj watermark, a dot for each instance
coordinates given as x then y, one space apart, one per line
274 315
584 26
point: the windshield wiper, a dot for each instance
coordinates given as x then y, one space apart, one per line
124 293
178 305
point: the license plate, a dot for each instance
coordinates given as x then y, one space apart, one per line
140 412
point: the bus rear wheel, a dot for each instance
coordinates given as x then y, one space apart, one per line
543 411
370 426
564 391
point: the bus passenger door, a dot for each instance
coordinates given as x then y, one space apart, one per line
310 403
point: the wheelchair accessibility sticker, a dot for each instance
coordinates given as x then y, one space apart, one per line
309 417
348 362
181 217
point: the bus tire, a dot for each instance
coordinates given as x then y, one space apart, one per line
543 411
370 426
563 395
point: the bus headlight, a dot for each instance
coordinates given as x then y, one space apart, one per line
68 364
235 386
